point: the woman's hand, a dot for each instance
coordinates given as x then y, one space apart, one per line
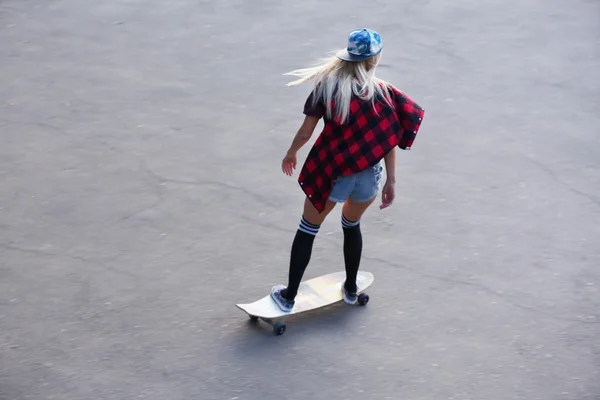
288 165
387 194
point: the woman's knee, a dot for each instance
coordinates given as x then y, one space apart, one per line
354 211
312 215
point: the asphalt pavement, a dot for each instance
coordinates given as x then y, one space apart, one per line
141 197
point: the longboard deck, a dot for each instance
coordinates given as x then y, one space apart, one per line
312 294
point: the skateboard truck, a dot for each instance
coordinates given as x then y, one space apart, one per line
278 327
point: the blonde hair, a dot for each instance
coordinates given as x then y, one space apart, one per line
337 80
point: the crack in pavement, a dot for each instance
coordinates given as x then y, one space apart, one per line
159 200
206 182
8 123
435 277
482 287
555 177
49 126
72 257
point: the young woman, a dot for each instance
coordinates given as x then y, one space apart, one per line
365 119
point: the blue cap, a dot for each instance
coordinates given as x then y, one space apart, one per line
362 44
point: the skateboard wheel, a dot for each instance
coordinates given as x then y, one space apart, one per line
253 318
363 299
279 328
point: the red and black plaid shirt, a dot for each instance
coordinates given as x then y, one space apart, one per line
362 142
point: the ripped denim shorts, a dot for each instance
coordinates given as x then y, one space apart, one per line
359 187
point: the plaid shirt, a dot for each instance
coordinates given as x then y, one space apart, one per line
362 142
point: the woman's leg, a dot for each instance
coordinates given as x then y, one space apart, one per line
302 246
351 214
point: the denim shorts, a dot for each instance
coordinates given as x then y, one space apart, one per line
359 187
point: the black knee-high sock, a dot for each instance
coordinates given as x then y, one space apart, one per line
300 256
352 251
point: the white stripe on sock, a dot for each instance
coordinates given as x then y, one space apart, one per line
307 227
346 223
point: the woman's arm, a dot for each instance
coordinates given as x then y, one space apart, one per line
288 165
304 134
389 188
390 166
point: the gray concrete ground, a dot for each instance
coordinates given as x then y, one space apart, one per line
141 197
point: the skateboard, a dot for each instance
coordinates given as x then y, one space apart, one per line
312 294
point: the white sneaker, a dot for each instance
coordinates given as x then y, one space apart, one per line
349 297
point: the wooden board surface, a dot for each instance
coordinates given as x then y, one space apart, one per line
313 293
